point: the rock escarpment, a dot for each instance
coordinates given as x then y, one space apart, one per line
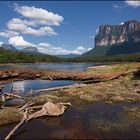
116 34
116 40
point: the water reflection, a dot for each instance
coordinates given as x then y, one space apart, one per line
94 121
22 87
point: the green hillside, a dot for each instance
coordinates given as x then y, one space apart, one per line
7 56
124 48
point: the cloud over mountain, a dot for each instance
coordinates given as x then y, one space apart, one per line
20 42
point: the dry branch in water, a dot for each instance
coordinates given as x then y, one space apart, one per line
48 109
26 106
25 116
6 96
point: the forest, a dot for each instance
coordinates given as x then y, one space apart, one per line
7 56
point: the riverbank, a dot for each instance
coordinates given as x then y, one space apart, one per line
119 85
95 74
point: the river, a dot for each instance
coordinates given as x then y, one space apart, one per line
50 66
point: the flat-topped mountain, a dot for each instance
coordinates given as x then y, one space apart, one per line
109 35
117 39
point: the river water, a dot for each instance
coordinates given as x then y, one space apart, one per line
50 66
23 88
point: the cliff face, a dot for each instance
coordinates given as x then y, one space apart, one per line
112 35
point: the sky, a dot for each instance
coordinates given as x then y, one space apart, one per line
60 27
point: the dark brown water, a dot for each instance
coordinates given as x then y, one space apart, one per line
94 121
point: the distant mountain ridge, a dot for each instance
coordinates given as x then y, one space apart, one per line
117 39
8 47
68 56
33 50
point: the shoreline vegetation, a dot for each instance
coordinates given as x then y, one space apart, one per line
110 84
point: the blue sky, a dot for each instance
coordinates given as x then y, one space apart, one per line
60 27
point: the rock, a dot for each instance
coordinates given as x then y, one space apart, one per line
115 34
116 40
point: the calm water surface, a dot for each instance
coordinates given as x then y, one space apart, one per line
94 121
24 87
51 66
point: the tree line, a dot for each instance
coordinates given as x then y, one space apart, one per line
7 56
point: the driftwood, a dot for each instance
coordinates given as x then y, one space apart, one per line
60 87
3 98
48 109
7 96
25 116
12 95
26 106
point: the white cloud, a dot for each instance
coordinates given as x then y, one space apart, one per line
35 21
18 24
50 49
80 48
133 3
42 16
8 33
22 26
40 32
92 37
97 30
46 48
117 7
122 23
20 42
1 43
89 49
